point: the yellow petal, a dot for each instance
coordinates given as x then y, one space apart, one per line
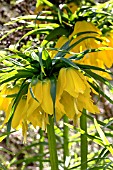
17 118
61 83
84 101
82 26
79 80
68 102
39 118
47 103
36 117
4 100
75 84
24 130
7 102
32 103
70 86
58 112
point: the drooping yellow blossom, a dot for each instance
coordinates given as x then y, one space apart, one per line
108 56
84 29
34 109
18 115
100 59
38 108
73 94
6 101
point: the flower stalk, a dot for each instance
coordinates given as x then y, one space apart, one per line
41 149
52 144
84 143
66 140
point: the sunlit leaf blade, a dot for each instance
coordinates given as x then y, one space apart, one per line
100 78
101 155
100 122
85 67
11 31
41 61
32 94
97 89
36 31
6 77
47 61
4 135
103 137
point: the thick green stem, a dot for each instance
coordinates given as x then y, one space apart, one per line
84 144
66 140
52 144
41 149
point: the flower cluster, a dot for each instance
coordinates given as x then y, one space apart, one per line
89 38
72 96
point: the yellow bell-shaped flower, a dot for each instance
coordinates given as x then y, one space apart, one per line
40 104
101 58
6 100
73 94
18 114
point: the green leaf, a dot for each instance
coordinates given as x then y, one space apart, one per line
36 31
62 53
50 4
4 135
103 137
54 33
32 94
41 61
53 89
59 16
11 31
100 78
91 160
70 63
35 56
47 61
100 122
80 55
96 168
108 165
97 89
101 155
16 62
85 67
23 90
6 77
